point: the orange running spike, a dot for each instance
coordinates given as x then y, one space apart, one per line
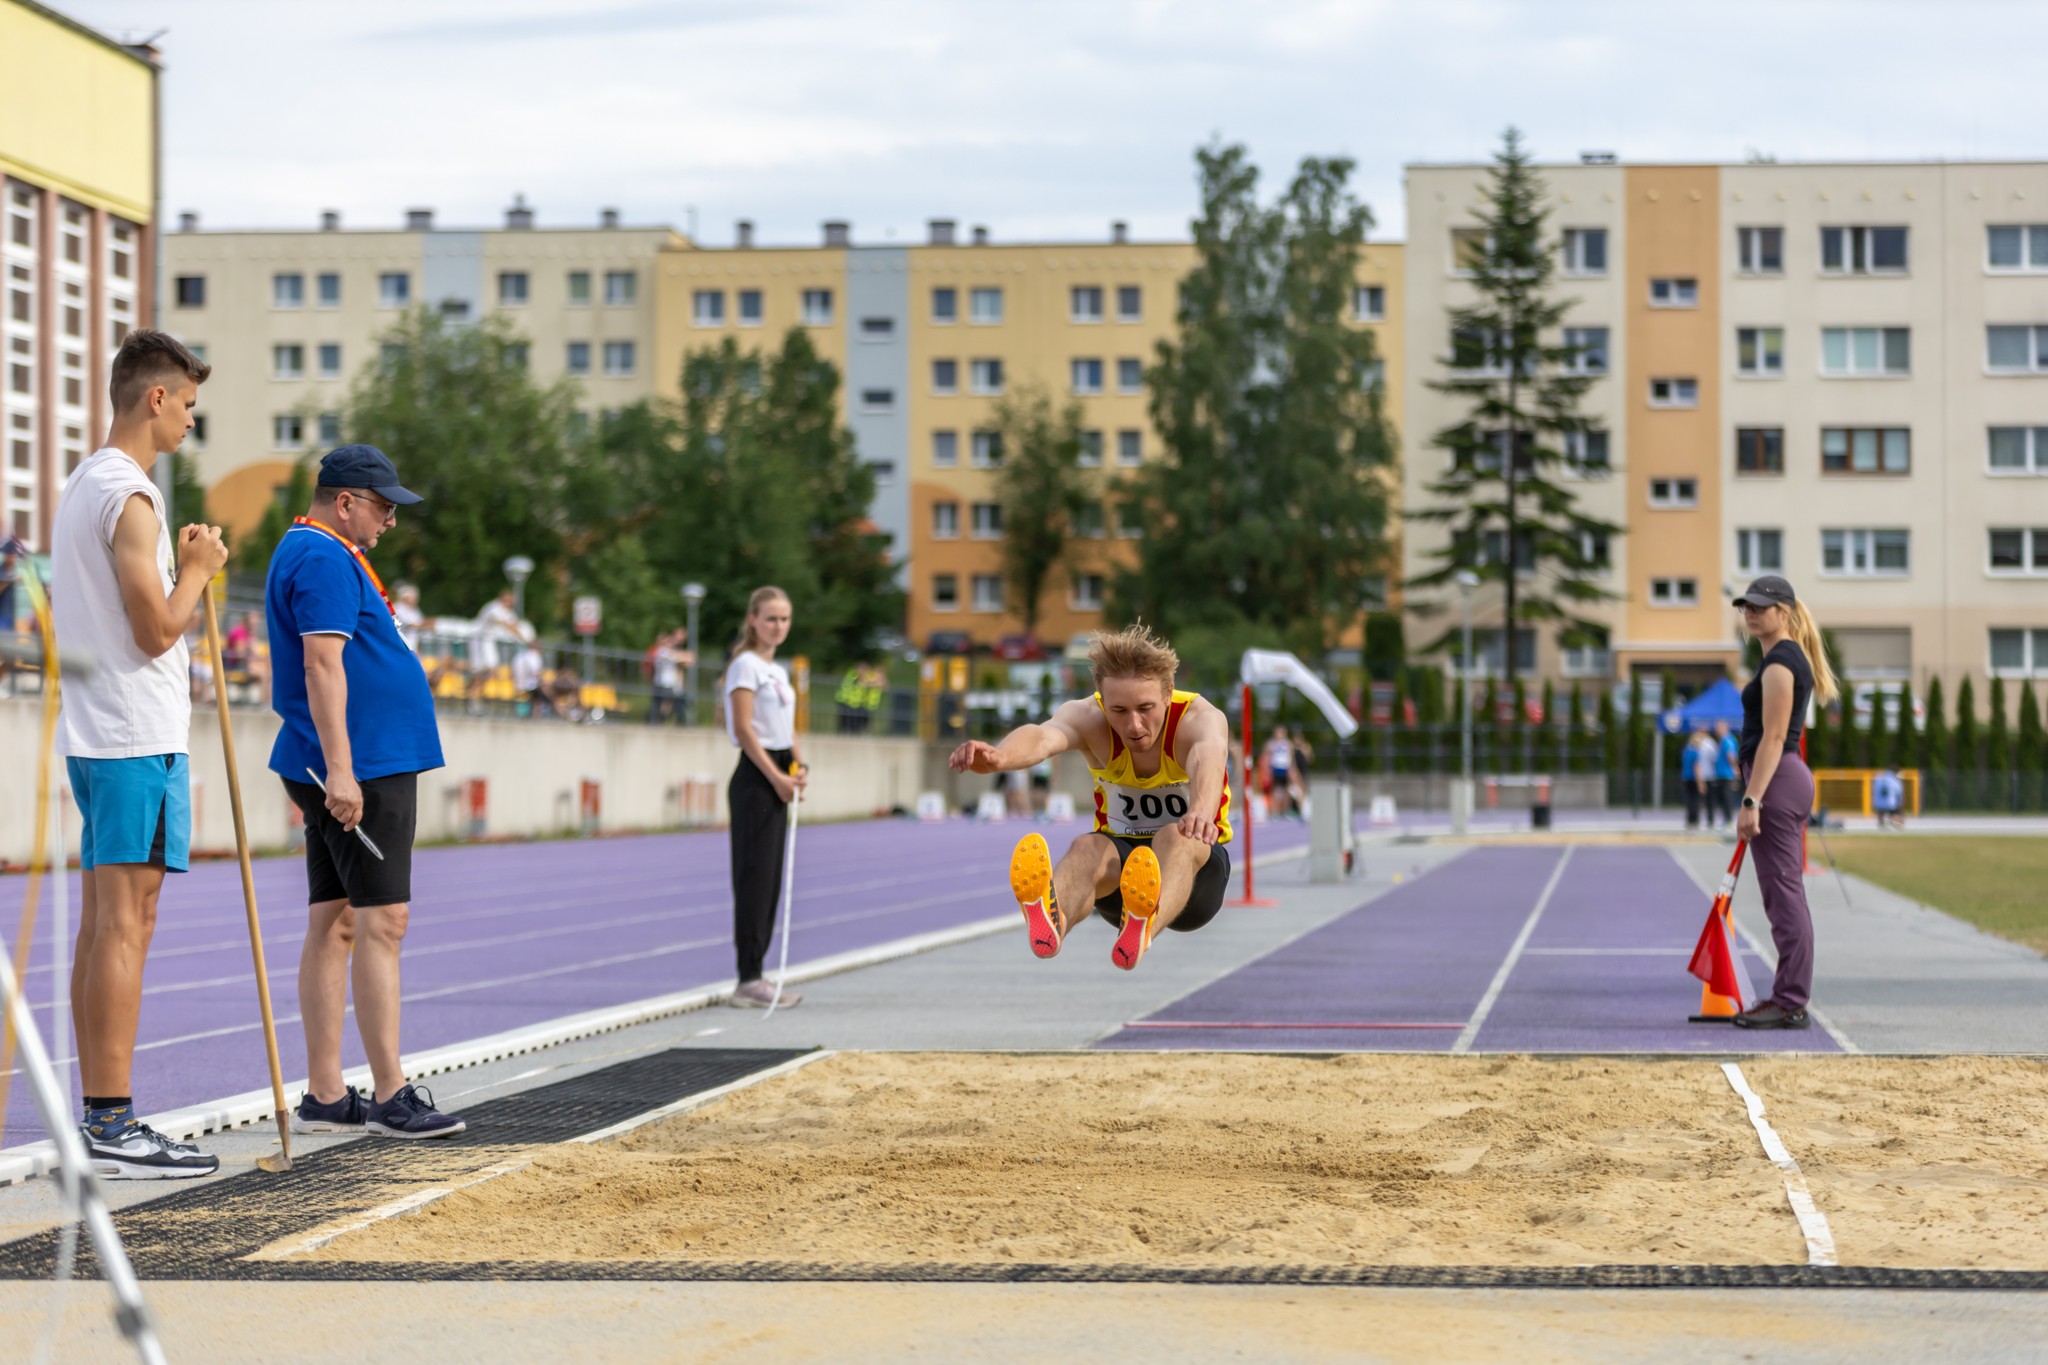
1031 882
1140 888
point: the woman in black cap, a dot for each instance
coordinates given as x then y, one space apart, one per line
1778 787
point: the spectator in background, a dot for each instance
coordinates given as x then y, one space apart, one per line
666 660
11 552
1276 763
1297 793
529 671
1887 795
1721 791
1690 782
405 610
760 719
499 633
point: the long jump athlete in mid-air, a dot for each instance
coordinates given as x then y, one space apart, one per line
1156 858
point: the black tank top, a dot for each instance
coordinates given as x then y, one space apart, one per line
1793 658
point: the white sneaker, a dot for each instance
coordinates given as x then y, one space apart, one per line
142 1153
759 994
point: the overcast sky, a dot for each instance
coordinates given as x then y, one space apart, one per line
1044 119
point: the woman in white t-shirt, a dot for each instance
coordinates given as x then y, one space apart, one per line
760 718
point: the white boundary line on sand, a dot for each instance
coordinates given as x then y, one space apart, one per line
1507 967
1813 1224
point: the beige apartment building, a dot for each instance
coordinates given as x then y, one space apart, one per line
288 319
1834 372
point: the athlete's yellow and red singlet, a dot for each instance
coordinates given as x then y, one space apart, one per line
1133 807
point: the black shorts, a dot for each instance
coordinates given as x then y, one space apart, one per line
338 867
1205 897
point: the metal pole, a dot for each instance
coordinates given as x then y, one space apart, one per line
692 683
1465 696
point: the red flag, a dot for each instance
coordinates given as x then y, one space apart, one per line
1712 961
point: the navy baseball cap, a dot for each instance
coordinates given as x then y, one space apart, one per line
365 467
1768 591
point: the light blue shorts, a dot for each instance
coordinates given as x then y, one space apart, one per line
137 810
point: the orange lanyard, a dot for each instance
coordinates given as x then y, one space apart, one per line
361 559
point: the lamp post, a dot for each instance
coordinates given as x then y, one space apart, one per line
1462 792
693 596
517 570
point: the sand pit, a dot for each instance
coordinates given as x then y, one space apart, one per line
1233 1159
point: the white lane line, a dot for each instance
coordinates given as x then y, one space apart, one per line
1500 978
1813 1225
1769 953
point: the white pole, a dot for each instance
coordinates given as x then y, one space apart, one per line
788 899
60 937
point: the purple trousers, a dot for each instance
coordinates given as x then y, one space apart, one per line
1778 855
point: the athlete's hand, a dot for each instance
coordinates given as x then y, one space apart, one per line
785 786
975 756
1749 823
201 550
1199 828
344 799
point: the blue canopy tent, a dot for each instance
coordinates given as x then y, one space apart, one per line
1722 701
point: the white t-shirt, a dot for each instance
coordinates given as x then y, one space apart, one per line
774 699
497 624
668 674
410 618
526 669
132 706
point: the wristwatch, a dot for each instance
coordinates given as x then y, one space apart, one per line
1749 803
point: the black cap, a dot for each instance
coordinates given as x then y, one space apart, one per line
1768 591
365 467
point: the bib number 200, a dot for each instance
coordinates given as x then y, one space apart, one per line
1153 806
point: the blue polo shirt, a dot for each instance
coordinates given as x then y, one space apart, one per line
316 587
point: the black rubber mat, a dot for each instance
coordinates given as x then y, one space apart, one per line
202 1230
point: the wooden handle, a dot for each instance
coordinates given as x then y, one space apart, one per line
227 747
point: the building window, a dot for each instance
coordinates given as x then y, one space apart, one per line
945 305
1595 552
579 286
2019 551
2019 450
750 307
988 592
1586 454
1086 375
884 472
1675 292
190 292
1674 592
1129 522
986 449
817 308
985 376
330 360
1674 393
945 376
74 321
1759 551
945 449
2019 653
391 355
2016 350
1674 493
1760 352
707 308
985 305
1130 374
945 592
1861 352
1090 454
988 521
877 329
1863 250
2016 248
1369 303
1086 594
327 289
618 359
1493 549
288 361
1759 450
621 288
455 310
1589 659
287 431
1760 250
1084 303
1130 447
945 521
394 289
1861 553
1588 348
1130 303
330 429
511 288
1487 652
878 400
577 360
287 290
1585 251
516 355
1866 450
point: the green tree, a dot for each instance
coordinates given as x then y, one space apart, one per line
1969 743
1041 492
1876 736
188 494
1613 746
1932 753
1386 648
1269 504
1998 749
1905 739
252 551
1511 518
2031 748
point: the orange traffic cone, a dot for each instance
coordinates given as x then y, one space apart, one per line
1713 961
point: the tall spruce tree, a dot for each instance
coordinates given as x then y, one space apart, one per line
1512 519
1905 739
2030 749
1265 516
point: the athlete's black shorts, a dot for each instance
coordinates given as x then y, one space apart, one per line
338 867
1205 897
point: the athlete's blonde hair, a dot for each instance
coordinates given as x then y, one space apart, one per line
1801 627
1133 652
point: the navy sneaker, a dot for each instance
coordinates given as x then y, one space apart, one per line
348 1114
410 1114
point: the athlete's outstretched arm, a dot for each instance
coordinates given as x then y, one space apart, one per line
1205 732
1025 746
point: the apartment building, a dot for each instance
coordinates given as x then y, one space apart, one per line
78 142
289 318
931 338
1834 372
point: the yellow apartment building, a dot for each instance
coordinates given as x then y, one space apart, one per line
78 177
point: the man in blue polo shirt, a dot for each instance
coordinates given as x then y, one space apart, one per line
359 718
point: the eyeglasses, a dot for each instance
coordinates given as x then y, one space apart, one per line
388 511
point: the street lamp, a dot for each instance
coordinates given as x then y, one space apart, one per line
517 570
693 596
1462 796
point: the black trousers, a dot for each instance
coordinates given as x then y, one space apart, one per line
760 825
